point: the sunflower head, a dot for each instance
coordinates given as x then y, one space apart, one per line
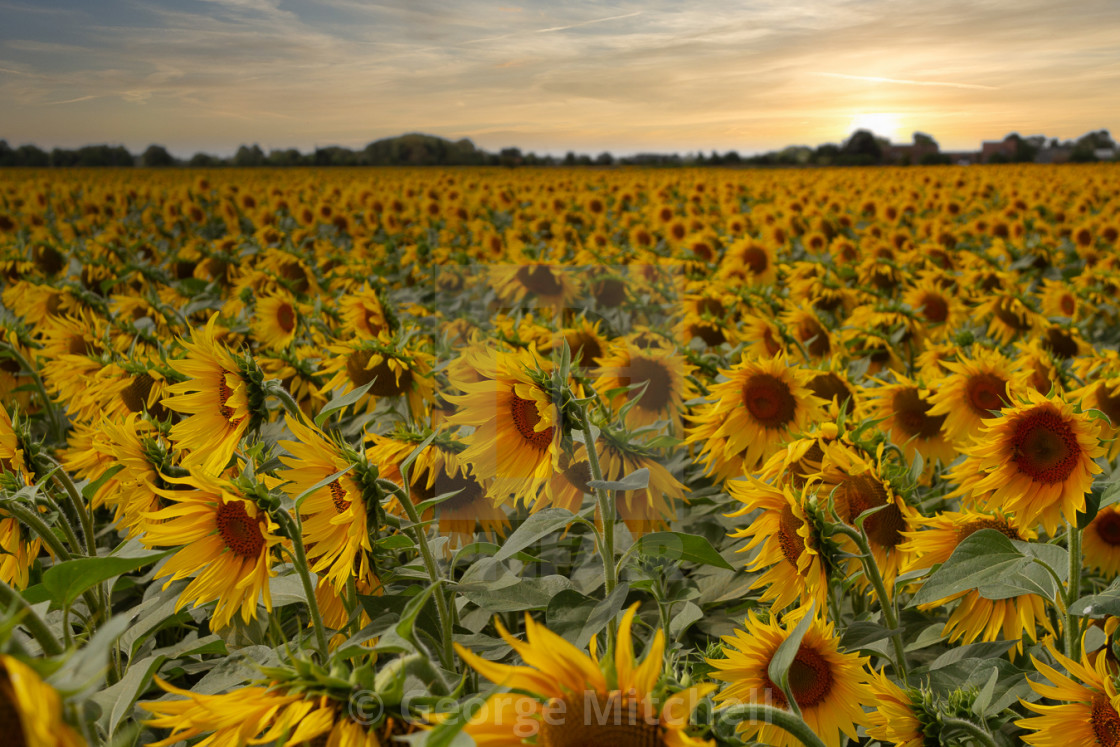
566 698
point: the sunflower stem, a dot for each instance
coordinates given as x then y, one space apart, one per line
606 513
32 519
1073 622
421 536
277 390
18 606
975 731
299 558
77 505
757 713
886 604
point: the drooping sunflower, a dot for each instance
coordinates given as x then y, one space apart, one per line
1100 542
334 517
974 616
438 470
893 720
1088 712
941 309
762 402
904 410
516 438
225 541
32 709
563 697
827 684
279 714
1036 461
586 342
664 374
219 398
790 547
975 388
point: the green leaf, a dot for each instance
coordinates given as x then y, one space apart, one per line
1092 507
405 627
783 658
344 401
86 669
66 581
636 480
690 548
1106 603
993 565
577 618
523 594
540 524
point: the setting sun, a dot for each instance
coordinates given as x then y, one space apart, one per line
883 124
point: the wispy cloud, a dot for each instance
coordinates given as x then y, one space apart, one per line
905 82
588 23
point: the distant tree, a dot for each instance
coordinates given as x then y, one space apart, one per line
285 157
826 155
156 156
204 160
510 157
732 158
570 158
604 159
921 138
30 155
7 155
862 147
246 156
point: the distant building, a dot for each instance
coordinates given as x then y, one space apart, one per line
1054 155
1007 147
910 154
1105 154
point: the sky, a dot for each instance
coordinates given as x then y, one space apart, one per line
624 77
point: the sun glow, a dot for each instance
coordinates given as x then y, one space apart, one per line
883 124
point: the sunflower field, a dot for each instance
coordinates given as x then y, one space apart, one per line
560 457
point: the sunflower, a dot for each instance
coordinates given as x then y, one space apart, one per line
1036 461
659 375
438 470
275 320
1104 395
827 684
652 507
1101 542
534 284
855 484
805 326
1010 317
939 308
1088 712
393 364
219 397
32 709
795 569
565 698
893 720
904 411
363 314
972 391
334 518
516 441
762 402
285 716
586 342
224 541
756 257
975 616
